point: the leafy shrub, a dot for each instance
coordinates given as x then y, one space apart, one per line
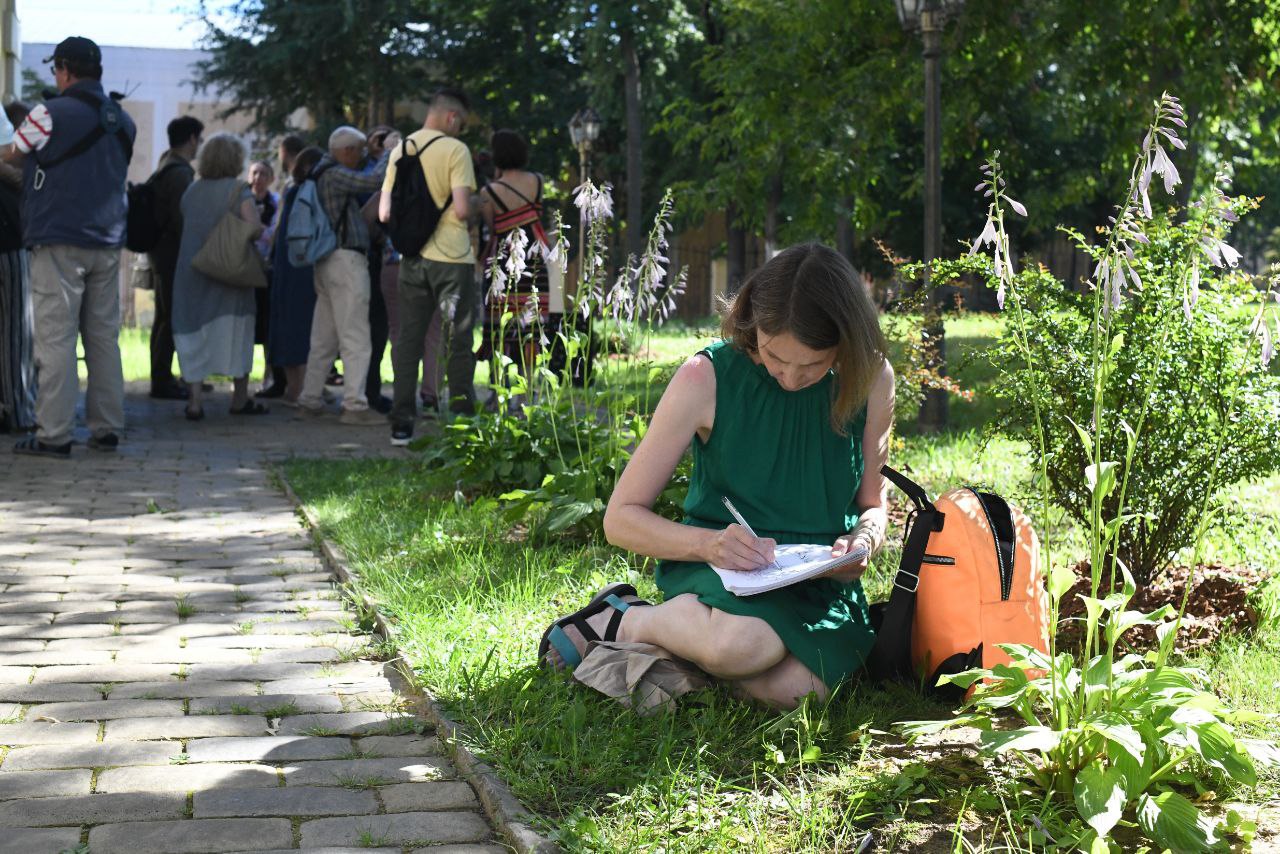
1174 379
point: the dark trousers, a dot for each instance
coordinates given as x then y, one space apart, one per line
378 326
425 287
164 264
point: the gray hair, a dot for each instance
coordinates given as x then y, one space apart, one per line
346 137
221 156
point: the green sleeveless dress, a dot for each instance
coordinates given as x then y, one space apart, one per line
792 478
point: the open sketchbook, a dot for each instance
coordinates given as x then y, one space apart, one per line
791 564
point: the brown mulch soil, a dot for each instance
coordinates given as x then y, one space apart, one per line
1218 605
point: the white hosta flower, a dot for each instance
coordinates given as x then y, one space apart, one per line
514 251
1163 166
1017 206
986 238
1192 295
596 203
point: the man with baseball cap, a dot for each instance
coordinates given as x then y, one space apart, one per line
75 150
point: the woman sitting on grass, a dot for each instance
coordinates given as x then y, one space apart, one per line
789 417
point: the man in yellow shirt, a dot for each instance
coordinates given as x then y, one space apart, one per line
443 274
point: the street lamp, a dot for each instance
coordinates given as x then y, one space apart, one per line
928 17
584 128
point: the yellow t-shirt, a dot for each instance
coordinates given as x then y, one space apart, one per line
446 164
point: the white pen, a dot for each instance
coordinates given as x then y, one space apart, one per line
738 516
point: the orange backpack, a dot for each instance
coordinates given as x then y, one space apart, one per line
969 579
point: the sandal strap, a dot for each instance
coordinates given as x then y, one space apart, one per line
568 652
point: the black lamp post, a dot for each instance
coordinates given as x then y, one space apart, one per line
584 128
928 17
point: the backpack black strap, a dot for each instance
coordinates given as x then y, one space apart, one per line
890 658
91 138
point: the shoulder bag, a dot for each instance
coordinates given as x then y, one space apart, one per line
228 255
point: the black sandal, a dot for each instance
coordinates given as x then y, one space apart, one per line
251 407
31 446
609 597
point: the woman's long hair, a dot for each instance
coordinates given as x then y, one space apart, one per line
813 292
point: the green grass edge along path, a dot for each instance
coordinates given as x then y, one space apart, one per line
468 597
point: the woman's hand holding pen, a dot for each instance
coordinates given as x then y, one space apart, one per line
735 547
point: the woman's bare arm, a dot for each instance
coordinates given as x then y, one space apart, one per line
687 409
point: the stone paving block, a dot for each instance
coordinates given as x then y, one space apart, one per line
227 640
160 653
374 771
53 692
281 748
29 840
185 778
462 849
425 797
107 673
399 829
44 784
7 646
184 689
374 746
187 726
104 710
89 756
17 622
32 630
36 732
301 655
302 800
15 675
53 606
266 704
326 686
196 836
94 809
347 723
10 711
57 656
254 672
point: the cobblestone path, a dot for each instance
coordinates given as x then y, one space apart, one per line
177 671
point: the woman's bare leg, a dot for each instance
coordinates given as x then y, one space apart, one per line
782 685
725 645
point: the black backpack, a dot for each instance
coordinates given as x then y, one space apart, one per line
414 213
143 228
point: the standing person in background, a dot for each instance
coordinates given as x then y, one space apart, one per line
288 150
341 319
442 276
293 292
17 371
267 203
213 322
173 175
380 139
73 218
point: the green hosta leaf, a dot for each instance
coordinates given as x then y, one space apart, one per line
1100 797
1025 655
1263 752
1217 747
915 729
1129 619
1061 577
965 678
1117 729
1101 478
1133 774
1172 821
1028 738
1086 441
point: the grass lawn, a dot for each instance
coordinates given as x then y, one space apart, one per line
469 601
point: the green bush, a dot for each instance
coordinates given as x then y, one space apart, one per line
1189 368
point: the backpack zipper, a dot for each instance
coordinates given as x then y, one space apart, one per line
1006 573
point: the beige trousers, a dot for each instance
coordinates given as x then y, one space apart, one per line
340 322
75 290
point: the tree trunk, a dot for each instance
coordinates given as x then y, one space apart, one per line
844 226
736 246
772 202
635 165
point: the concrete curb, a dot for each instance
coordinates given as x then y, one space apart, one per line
503 809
